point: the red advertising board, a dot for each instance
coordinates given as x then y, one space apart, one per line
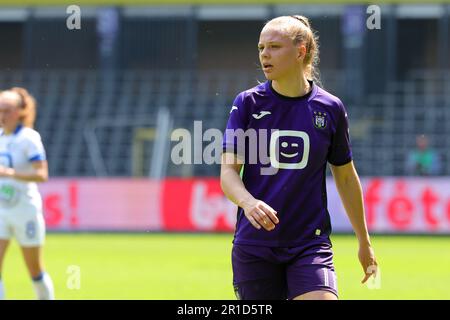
196 204
393 205
101 204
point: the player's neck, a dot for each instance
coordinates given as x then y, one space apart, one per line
10 130
291 87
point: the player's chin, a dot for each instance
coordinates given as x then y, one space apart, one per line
270 76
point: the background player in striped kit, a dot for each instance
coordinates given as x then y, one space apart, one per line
22 165
282 248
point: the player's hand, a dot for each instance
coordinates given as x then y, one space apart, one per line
260 214
368 261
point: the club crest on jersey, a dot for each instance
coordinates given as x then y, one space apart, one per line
320 120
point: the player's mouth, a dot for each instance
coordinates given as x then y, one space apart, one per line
267 67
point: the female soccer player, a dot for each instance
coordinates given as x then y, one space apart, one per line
281 247
22 164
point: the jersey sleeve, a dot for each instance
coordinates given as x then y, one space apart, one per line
236 123
34 150
340 150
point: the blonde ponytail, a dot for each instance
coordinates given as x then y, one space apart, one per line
27 105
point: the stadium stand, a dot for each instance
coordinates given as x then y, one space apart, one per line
72 101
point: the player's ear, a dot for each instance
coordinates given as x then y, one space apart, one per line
301 52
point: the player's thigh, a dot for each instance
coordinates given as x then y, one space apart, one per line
5 236
311 274
255 277
3 247
5 228
29 227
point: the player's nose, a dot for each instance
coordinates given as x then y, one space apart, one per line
264 54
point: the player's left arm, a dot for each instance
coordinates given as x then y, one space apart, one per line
38 174
350 191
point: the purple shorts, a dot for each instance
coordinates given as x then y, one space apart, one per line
264 273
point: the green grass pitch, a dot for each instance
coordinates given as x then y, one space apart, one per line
197 266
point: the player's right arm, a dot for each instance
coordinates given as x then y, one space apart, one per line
256 211
39 173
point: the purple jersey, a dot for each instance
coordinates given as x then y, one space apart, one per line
295 138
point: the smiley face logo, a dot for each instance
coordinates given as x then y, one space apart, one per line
285 145
276 161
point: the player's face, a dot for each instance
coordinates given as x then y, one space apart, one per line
9 113
278 55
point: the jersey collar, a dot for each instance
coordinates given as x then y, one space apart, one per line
16 131
18 128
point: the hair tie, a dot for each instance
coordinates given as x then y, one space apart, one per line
301 20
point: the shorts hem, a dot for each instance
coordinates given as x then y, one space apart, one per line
316 288
30 245
277 244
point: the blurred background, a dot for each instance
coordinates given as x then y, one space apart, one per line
114 79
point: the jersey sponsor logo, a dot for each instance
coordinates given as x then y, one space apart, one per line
292 135
233 108
9 196
261 114
320 120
